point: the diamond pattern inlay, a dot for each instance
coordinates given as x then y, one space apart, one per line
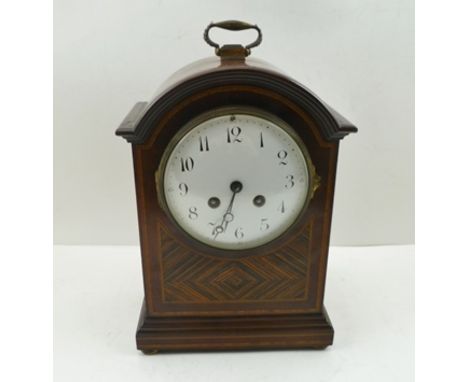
189 276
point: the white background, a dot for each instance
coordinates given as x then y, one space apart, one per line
26 218
357 55
369 297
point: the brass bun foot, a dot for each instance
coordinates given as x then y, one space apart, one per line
321 347
150 351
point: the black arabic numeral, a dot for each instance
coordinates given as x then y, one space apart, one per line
187 164
290 183
204 143
183 189
264 225
233 134
193 213
238 233
282 154
281 207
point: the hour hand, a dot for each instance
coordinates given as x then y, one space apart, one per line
217 230
220 228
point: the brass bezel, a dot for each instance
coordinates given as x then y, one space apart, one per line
313 178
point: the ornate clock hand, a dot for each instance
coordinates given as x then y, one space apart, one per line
228 217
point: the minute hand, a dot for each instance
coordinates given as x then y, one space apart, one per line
236 187
228 216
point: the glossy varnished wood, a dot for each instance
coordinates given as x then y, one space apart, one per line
201 298
306 331
211 72
190 276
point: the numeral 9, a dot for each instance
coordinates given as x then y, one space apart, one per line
183 189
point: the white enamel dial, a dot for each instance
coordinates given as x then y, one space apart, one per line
235 181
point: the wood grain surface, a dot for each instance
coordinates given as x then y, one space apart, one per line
202 298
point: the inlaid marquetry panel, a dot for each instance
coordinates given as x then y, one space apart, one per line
193 277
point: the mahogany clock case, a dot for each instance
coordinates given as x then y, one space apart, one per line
201 298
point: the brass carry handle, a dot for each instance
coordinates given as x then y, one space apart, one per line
233 25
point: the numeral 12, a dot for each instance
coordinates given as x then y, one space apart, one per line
233 134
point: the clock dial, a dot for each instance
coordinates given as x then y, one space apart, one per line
236 181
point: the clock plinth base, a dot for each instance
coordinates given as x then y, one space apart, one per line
303 331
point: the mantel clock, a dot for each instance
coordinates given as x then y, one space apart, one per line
234 169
